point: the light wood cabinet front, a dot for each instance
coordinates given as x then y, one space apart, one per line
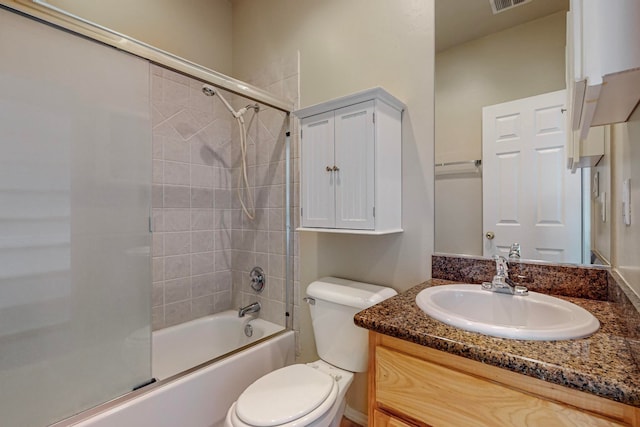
385 420
419 390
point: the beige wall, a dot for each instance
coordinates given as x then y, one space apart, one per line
601 228
394 50
347 46
522 61
197 30
625 163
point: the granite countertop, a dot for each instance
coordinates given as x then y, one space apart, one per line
601 364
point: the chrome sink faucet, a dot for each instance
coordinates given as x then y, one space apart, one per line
514 251
501 282
251 308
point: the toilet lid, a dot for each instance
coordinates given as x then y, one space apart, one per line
284 395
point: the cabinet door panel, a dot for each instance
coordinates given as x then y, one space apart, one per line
355 157
380 419
443 397
317 186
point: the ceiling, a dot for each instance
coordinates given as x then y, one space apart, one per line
459 21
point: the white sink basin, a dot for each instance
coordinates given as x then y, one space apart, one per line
532 317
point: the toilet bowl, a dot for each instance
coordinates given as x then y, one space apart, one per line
313 394
294 396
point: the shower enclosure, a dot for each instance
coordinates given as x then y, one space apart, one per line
219 210
119 215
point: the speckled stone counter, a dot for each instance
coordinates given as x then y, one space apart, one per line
602 364
589 282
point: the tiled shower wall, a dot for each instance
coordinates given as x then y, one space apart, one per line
263 240
203 245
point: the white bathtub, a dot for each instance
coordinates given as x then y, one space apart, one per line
200 398
181 347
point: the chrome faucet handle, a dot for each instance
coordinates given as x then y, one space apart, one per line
501 282
517 289
522 279
501 266
514 251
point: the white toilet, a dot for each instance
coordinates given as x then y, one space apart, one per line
313 394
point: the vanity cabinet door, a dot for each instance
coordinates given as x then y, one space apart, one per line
428 393
380 419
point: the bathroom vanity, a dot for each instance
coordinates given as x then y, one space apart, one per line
424 372
416 385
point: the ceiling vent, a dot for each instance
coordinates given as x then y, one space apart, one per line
501 5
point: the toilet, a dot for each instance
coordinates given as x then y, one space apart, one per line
313 394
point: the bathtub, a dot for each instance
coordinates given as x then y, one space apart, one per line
201 397
181 347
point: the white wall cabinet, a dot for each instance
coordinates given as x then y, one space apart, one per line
603 66
592 148
351 164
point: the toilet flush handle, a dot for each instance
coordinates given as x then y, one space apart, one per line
309 300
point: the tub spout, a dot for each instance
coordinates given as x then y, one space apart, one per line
251 308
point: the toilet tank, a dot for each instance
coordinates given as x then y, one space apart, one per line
339 341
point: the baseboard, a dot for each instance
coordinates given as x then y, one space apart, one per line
356 416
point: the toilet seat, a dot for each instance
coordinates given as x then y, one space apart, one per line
292 396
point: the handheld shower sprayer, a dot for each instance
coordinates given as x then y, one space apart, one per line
243 185
211 91
208 90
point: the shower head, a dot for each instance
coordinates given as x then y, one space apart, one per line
208 90
211 91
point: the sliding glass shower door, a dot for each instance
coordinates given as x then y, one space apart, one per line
75 179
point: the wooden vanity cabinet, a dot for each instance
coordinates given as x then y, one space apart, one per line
413 385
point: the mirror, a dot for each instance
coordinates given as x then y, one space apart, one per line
484 59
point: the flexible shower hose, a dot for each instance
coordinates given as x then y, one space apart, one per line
243 180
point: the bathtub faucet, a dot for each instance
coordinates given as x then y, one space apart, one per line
251 308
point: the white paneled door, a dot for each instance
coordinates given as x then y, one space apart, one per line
529 196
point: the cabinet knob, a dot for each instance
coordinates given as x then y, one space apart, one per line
335 168
328 169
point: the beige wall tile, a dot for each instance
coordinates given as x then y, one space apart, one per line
202 219
202 241
203 284
176 313
177 243
177 290
176 220
201 197
202 263
177 196
176 173
177 266
201 176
